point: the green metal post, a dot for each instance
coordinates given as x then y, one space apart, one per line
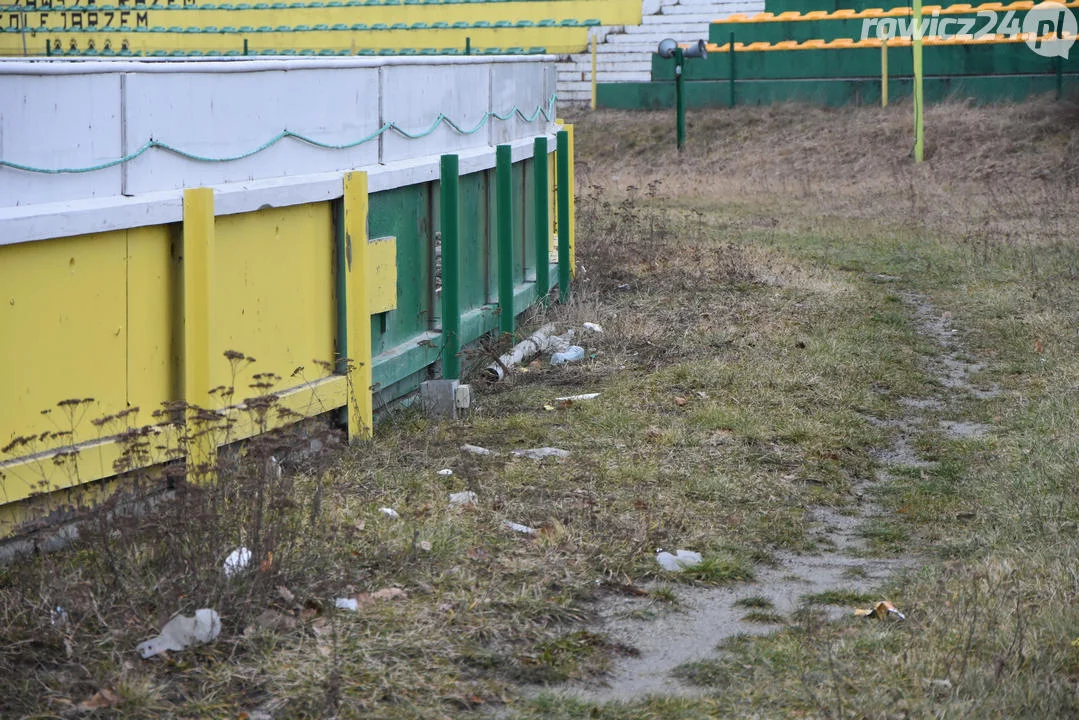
732 71
245 46
451 307
562 179
468 46
504 211
543 220
679 98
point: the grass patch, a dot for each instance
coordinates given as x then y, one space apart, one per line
839 597
761 330
757 601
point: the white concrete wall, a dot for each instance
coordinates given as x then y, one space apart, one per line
70 114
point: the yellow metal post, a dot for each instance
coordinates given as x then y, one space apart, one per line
198 286
358 307
572 205
884 72
919 128
593 72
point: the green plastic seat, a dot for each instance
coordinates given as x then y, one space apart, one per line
481 24
359 26
365 52
283 28
502 24
232 53
210 29
264 28
399 26
419 26
591 22
243 6
228 29
176 29
548 22
524 24
461 25
379 26
301 28
307 51
569 22
320 26
246 29
439 25
193 53
213 53
290 51
262 6
339 26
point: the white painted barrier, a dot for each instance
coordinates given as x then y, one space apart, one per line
57 114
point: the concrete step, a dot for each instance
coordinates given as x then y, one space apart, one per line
687 19
565 79
654 38
602 68
612 58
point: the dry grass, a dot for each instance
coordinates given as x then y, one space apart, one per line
746 342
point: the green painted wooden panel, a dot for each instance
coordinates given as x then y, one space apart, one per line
943 60
528 220
405 213
474 240
828 92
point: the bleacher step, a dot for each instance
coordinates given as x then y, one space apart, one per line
624 54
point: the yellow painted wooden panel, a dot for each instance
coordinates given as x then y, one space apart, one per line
382 274
24 477
63 334
273 295
152 315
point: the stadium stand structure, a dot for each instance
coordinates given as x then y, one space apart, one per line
333 27
623 53
834 56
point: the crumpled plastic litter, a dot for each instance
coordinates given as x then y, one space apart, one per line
571 354
880 611
593 327
465 497
476 449
183 632
518 527
389 512
679 561
543 452
236 562
347 604
445 472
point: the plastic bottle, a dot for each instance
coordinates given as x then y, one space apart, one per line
570 354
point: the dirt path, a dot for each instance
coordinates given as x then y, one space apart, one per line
705 617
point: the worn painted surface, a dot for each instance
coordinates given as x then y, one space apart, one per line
143 316
76 115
